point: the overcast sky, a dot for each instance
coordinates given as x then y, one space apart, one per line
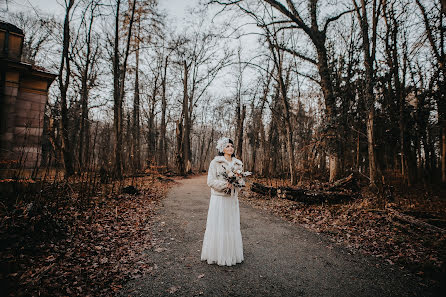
177 15
175 8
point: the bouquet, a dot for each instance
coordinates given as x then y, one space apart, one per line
234 177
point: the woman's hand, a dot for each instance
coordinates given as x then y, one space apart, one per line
228 188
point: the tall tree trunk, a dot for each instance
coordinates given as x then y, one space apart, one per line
136 132
117 107
318 37
163 142
186 122
437 44
368 48
152 127
330 110
84 97
201 149
394 68
180 150
182 134
278 61
371 146
241 113
127 164
118 84
443 153
63 86
265 155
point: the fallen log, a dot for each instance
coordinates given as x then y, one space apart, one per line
350 182
264 190
415 222
302 195
313 197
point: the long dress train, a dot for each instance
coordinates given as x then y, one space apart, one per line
222 243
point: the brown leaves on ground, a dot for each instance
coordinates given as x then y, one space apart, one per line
64 245
373 230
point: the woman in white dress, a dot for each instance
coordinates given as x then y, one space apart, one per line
222 243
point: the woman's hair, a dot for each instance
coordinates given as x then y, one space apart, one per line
222 154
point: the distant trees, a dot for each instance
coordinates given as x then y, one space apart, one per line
328 88
200 56
373 78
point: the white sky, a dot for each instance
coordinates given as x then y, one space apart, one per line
175 8
176 12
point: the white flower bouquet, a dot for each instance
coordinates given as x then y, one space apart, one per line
234 177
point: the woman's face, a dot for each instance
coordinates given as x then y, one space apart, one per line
229 149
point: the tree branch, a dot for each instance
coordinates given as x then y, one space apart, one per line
332 19
295 18
297 54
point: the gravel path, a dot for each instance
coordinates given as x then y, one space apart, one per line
281 259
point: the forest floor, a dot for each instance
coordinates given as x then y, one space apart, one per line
58 242
282 258
61 242
373 226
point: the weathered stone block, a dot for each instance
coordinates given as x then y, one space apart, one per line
38 108
11 91
27 149
29 121
10 100
28 131
26 140
22 105
33 97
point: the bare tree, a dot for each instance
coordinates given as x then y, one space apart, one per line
369 52
434 27
64 82
317 34
88 75
119 72
240 109
283 82
201 58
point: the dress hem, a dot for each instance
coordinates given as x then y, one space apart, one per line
216 263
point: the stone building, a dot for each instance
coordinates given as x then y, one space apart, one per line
23 95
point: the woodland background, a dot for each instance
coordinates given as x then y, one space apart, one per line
305 89
338 106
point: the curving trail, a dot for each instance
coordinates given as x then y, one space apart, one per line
281 259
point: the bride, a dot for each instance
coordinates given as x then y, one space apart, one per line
222 243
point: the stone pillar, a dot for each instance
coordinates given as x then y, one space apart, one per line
7 113
29 110
23 96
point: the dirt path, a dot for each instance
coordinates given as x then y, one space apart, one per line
281 259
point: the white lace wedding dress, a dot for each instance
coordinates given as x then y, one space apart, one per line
222 243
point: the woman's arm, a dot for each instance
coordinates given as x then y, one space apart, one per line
213 182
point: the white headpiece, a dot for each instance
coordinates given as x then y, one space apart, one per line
221 144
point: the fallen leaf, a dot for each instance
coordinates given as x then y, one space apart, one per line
172 290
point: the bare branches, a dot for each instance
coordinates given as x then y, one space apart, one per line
297 54
428 28
294 17
332 19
